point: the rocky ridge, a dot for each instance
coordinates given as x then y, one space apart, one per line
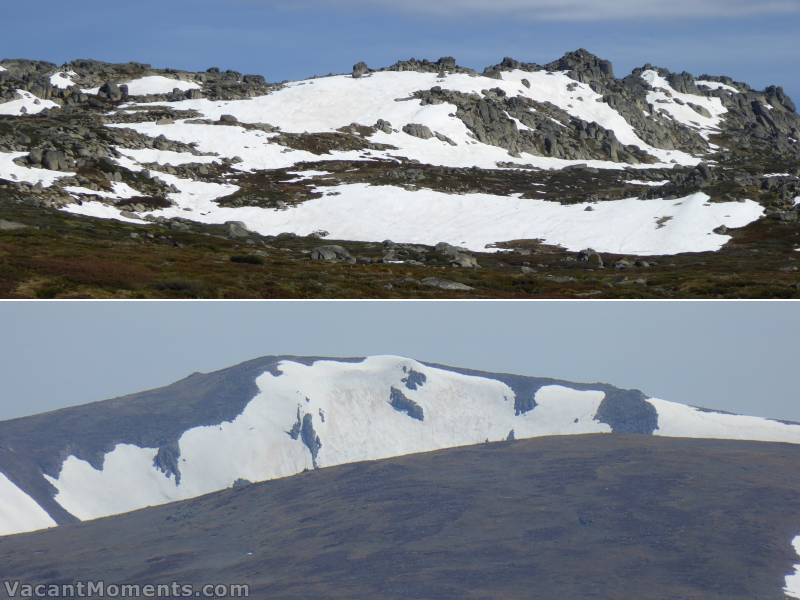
92 134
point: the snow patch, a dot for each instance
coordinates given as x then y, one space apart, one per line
158 84
62 79
19 512
26 104
11 171
793 581
120 191
94 208
676 105
679 420
165 157
650 183
716 85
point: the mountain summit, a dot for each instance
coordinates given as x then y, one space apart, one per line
275 417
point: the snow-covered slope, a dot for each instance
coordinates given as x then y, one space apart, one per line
369 213
197 145
327 104
289 415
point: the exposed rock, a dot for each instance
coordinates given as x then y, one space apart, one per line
583 66
383 126
446 284
592 258
414 379
417 130
332 253
237 229
167 461
310 438
113 92
627 411
360 69
11 225
459 257
400 403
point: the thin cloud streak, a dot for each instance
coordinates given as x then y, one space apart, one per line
574 10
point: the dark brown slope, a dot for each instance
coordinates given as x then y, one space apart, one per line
607 517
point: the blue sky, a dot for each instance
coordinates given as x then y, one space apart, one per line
751 40
735 356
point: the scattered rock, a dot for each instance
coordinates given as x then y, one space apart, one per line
420 131
592 258
446 284
11 225
458 257
332 253
383 126
237 229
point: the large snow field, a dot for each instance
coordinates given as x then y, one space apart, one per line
373 213
18 511
349 406
351 412
329 103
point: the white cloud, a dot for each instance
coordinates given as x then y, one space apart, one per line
580 10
